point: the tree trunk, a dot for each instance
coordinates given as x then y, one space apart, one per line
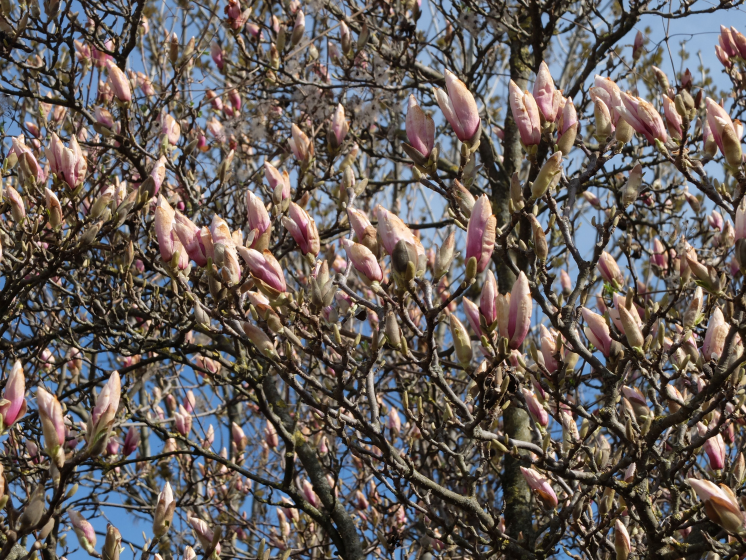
516 492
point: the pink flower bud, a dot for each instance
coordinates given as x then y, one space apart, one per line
459 108
659 257
82 51
359 222
360 502
164 511
270 436
84 531
119 83
714 448
69 164
637 401
565 282
480 233
338 127
537 411
170 129
526 115
258 220
717 331
190 237
721 506
216 52
363 260
224 251
621 541
637 46
13 403
519 313
190 401
673 119
275 178
238 437
541 486
726 42
169 244
309 494
303 229
392 229
215 128
393 422
546 96
615 315
260 339
740 228
602 115
724 133
158 173
17 207
723 57
567 128
131 442
102 416
204 534
487 301
597 331
472 315
548 349
643 118
26 158
183 421
607 91
609 270
715 219
739 41
300 144
420 128
631 326
52 425
264 267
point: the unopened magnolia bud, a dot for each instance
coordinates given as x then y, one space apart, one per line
632 188
444 257
548 172
540 241
464 198
348 179
274 323
345 38
471 269
362 38
516 192
224 167
274 56
624 131
200 315
461 341
113 544
129 254
680 107
739 469
392 330
661 78
298 29
173 49
188 50
403 255
621 541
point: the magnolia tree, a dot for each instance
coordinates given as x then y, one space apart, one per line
383 280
